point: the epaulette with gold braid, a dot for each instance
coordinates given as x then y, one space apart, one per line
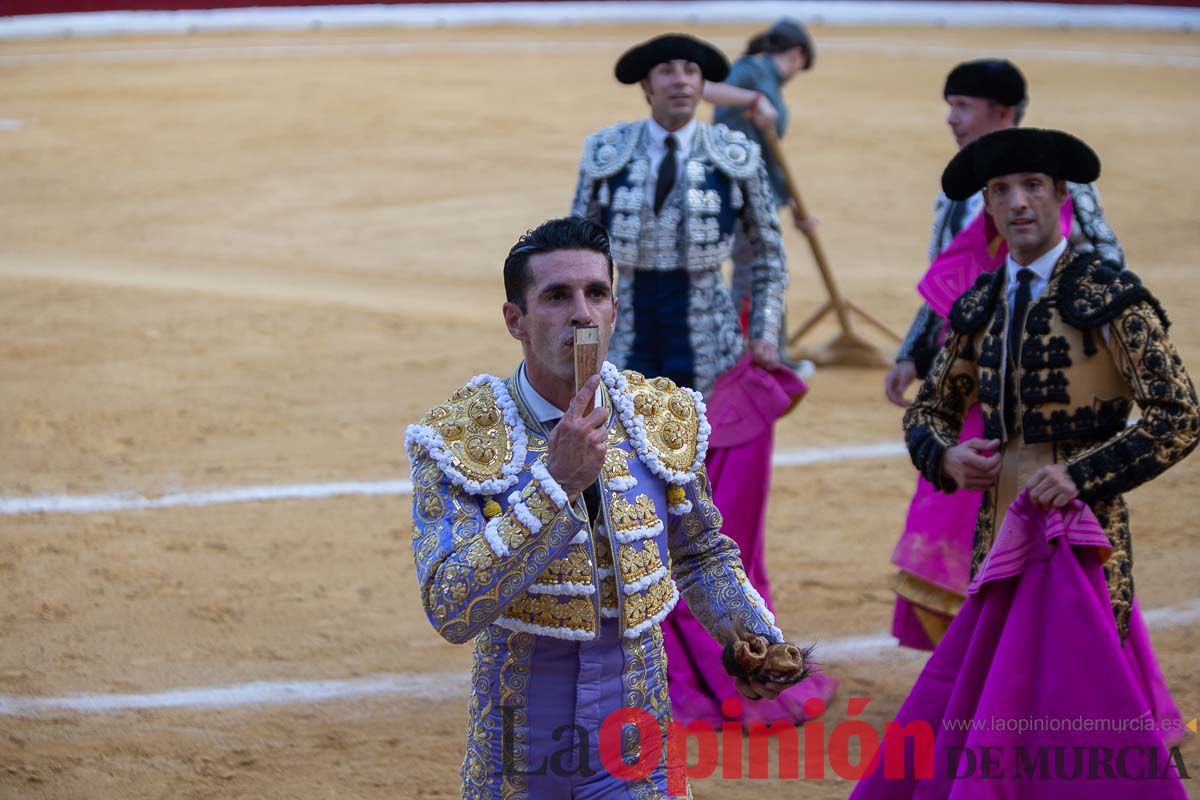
476 437
665 423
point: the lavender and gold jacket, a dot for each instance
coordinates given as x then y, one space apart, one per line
503 557
497 543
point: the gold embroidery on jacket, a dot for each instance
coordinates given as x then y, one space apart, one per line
633 516
540 505
645 604
477 767
604 558
514 694
608 593
671 421
638 563
575 567
616 462
472 426
512 532
554 611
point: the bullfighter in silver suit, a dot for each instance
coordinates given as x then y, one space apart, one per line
672 191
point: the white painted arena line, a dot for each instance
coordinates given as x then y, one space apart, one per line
429 685
93 503
128 501
11 124
1182 58
852 452
1172 616
1018 14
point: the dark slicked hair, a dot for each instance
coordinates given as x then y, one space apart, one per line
564 233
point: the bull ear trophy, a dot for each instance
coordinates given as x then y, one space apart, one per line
751 656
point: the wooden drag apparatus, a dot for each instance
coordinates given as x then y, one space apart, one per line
847 348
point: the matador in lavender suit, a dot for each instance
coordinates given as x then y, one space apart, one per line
557 528
674 193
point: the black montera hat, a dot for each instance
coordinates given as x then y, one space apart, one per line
640 59
1057 154
993 78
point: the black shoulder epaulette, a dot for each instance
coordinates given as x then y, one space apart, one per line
1093 292
974 307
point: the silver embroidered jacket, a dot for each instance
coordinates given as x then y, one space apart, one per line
724 185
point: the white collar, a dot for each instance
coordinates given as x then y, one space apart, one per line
1041 266
541 408
658 134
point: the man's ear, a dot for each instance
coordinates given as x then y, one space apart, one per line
1060 191
645 84
514 320
1008 114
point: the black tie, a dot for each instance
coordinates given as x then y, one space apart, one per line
591 495
591 498
1020 307
1015 326
666 173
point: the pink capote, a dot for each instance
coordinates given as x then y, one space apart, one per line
746 400
1035 641
977 249
939 530
936 543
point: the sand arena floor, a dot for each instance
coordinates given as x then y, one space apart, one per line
231 260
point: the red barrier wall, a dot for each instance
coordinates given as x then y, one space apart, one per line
14 7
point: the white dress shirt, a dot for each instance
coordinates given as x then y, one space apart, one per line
658 150
548 415
1042 266
542 409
